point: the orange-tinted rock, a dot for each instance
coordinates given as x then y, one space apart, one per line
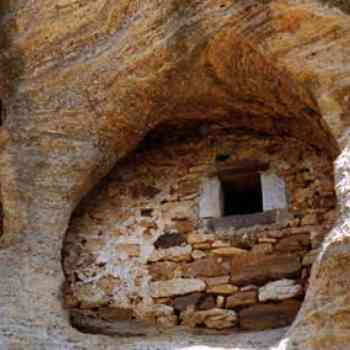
241 299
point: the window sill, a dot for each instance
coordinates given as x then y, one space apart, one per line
269 217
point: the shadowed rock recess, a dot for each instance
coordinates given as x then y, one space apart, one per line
129 132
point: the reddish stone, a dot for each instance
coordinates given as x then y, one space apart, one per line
208 267
268 316
294 243
241 298
258 269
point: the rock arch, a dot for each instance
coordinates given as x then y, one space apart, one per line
76 110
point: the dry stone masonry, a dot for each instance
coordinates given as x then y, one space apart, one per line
138 248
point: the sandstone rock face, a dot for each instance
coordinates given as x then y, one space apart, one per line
82 83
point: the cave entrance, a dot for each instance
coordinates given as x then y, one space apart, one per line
178 235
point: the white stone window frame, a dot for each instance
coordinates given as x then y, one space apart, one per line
274 195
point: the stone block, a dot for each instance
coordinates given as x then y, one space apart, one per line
115 314
223 289
229 251
214 281
241 299
249 287
204 246
208 267
180 253
220 244
280 290
274 191
207 302
181 303
214 318
211 199
267 240
168 240
259 269
267 316
198 254
294 243
179 286
241 221
263 248
165 270
220 301
184 226
195 238
132 250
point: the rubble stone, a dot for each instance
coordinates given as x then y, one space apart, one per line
229 251
258 269
223 289
181 253
241 299
268 316
208 267
179 286
215 318
279 290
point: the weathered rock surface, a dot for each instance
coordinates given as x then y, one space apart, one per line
280 290
180 253
241 299
177 286
251 269
214 318
208 267
266 316
223 289
83 82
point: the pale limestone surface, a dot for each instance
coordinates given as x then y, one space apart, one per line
69 71
279 290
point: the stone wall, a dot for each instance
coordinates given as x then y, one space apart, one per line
137 254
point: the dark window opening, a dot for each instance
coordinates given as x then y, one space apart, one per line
242 194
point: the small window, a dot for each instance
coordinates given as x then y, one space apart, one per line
242 194
248 197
